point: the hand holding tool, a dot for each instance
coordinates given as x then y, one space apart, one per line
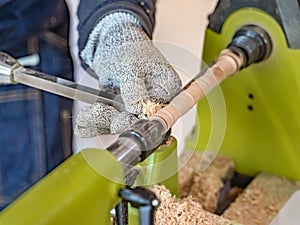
125 61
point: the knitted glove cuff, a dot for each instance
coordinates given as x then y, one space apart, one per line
112 31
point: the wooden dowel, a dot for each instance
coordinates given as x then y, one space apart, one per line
227 64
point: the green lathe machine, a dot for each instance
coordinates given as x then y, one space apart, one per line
262 122
257 126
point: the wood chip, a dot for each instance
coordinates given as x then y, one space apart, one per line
151 106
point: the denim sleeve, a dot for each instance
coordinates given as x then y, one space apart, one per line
21 19
91 11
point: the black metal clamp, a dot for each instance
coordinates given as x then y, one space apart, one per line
140 198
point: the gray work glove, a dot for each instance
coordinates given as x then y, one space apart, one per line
126 62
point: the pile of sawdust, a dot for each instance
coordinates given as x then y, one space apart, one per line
261 200
208 183
204 186
253 209
189 163
185 211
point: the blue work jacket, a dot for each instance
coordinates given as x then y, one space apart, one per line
35 126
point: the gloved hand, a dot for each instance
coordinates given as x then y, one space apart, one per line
126 62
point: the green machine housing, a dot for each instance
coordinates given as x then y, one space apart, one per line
255 114
86 187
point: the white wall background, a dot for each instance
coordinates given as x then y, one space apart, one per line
183 23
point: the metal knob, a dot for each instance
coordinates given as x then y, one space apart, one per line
7 64
253 42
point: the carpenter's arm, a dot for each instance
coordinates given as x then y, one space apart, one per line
90 12
115 46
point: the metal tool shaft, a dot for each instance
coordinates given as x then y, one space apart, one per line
64 87
12 72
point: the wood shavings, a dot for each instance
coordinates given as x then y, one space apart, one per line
205 185
208 183
260 202
188 162
186 211
150 106
169 140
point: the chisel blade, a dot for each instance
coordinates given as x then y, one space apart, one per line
65 87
